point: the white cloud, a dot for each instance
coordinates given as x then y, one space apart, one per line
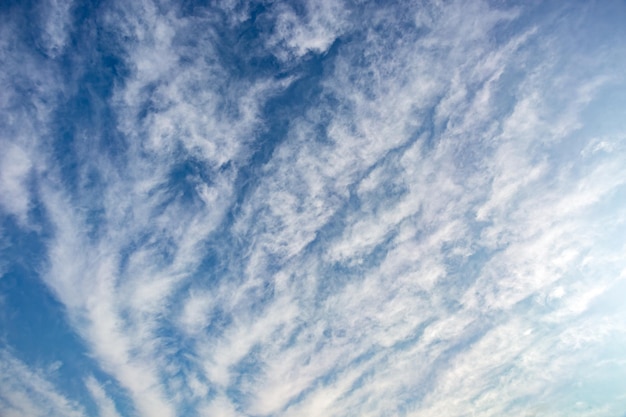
435 250
24 118
27 392
15 167
106 406
56 21
219 407
312 30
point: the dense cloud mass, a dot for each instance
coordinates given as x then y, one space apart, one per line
312 208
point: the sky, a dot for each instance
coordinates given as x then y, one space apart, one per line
312 208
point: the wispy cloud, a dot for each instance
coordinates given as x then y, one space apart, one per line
106 406
326 208
56 21
25 392
306 28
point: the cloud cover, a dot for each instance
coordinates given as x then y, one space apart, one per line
322 208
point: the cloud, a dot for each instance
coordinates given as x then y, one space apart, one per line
106 406
423 233
311 27
56 21
13 182
31 90
119 290
27 392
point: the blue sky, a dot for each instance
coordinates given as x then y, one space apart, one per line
324 208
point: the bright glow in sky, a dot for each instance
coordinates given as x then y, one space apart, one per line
312 208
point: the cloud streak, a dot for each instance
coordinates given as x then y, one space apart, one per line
28 392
